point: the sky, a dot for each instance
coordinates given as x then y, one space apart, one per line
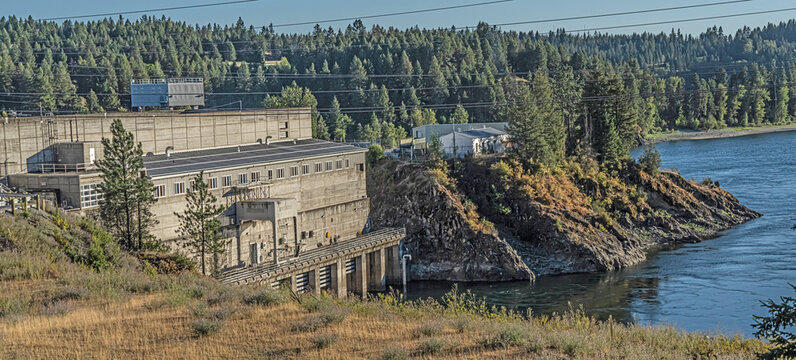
264 12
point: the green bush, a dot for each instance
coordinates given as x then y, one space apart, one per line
12 306
431 346
322 341
204 327
650 160
375 153
429 329
394 354
506 337
266 297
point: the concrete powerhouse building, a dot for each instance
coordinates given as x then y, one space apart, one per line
296 208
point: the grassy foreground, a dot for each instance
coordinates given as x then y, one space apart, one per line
58 300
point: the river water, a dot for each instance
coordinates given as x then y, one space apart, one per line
715 285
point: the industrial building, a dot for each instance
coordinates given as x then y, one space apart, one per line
296 208
474 142
167 93
422 135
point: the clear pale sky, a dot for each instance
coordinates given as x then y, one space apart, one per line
264 12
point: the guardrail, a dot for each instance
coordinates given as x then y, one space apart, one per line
48 168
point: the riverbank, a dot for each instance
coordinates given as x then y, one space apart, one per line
678 135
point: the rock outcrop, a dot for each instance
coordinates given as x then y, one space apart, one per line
446 242
573 221
565 221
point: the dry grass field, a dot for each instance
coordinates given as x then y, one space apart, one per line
59 301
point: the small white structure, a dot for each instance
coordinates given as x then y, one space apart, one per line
486 140
429 131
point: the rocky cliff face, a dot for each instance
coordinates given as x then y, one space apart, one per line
575 219
579 220
446 241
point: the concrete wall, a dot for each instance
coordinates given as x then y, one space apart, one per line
24 138
67 186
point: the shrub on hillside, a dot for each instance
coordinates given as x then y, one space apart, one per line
650 160
394 354
431 346
204 327
505 337
266 297
322 341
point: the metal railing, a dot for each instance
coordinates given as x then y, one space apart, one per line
167 81
51 167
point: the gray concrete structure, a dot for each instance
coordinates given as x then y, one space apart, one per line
288 199
24 140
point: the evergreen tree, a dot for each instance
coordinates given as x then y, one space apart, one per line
460 115
127 193
199 224
535 125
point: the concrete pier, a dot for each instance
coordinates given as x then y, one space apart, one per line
357 267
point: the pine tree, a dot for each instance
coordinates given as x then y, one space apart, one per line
93 103
199 224
460 115
536 126
127 194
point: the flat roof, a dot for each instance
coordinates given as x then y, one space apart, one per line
241 156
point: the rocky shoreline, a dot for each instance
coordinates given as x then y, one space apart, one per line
543 225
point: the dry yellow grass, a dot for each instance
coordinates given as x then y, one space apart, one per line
145 327
52 307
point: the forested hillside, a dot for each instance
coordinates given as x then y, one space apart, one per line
377 83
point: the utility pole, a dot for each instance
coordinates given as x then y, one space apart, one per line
403 269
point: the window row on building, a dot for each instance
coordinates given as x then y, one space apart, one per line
253 177
90 195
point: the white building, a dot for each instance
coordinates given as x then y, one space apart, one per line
473 142
429 131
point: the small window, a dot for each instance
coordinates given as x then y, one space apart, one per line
226 181
160 191
318 167
280 173
338 164
270 175
305 169
243 178
179 188
212 183
191 185
256 176
283 134
283 125
328 166
347 163
294 171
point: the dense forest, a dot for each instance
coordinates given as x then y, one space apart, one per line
377 83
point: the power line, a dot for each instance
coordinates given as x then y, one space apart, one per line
393 14
684 20
617 13
449 106
148 10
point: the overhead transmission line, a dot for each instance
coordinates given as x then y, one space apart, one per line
685 20
148 10
449 106
465 27
541 21
392 14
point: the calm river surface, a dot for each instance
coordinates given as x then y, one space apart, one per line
713 285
